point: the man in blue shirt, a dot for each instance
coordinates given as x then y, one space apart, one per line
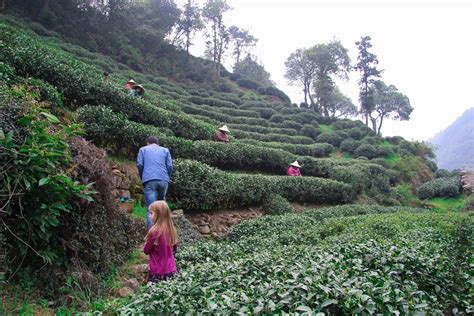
155 166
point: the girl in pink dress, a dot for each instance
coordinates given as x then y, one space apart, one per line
160 243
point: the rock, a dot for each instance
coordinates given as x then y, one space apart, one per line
117 172
125 185
133 283
140 268
177 213
204 230
125 291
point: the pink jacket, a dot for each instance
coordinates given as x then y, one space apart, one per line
294 171
221 137
161 256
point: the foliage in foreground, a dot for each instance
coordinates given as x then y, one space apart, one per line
57 211
403 262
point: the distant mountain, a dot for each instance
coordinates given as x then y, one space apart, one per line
455 145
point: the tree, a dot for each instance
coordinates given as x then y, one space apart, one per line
367 65
337 104
219 35
241 40
250 68
388 102
189 22
329 61
300 70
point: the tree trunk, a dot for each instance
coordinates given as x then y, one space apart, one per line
380 126
188 44
374 124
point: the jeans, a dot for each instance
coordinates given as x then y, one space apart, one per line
155 190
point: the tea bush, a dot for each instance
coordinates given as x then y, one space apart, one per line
291 124
263 129
313 150
275 204
82 84
332 139
441 187
366 150
271 137
350 145
212 102
404 262
191 181
247 83
310 131
274 92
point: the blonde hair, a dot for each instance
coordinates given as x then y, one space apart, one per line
162 223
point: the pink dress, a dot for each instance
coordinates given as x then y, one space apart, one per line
162 262
221 137
294 171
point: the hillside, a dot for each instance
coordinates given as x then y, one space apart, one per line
454 146
67 135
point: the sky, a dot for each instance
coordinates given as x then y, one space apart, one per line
424 47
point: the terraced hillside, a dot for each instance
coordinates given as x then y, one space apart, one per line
347 259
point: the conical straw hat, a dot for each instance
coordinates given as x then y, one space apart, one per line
224 129
295 164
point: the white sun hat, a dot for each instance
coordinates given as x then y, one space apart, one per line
224 129
295 164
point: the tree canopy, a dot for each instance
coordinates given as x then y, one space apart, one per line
388 102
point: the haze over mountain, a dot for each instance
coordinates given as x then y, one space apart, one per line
455 144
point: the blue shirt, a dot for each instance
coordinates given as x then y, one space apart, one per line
154 163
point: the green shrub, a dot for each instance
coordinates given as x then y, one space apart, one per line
276 118
383 151
345 124
223 115
313 150
274 92
247 83
355 133
275 204
263 129
394 140
191 181
7 74
272 137
82 84
266 113
37 190
371 140
212 102
344 262
350 145
380 161
310 131
291 124
443 173
47 92
441 187
366 150
114 131
332 139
